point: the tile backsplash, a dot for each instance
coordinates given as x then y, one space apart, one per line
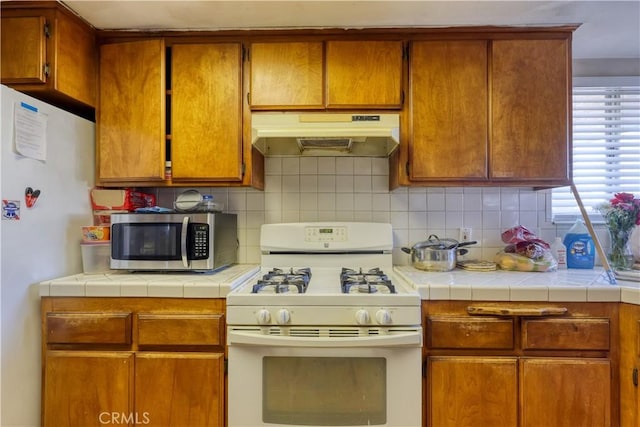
301 189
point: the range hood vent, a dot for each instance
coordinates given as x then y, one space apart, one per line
325 134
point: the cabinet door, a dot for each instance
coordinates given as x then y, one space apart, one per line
286 75
24 50
131 112
75 60
629 365
530 95
86 388
206 112
449 112
565 392
364 74
472 391
180 389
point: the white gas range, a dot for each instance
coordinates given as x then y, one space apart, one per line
325 319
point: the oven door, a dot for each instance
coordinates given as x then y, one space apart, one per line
304 381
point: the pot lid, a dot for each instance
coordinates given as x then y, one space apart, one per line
434 242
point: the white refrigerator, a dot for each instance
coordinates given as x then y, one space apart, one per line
45 202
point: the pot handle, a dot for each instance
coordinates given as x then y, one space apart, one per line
406 250
462 251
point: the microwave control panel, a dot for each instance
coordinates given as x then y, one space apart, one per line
199 247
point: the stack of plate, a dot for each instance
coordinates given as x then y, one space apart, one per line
475 265
633 275
193 201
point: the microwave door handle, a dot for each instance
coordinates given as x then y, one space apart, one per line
183 241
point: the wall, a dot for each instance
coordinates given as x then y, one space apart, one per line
356 189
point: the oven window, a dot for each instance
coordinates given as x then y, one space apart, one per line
324 391
146 241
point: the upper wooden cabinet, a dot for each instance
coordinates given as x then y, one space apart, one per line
334 74
488 112
448 110
130 139
49 53
287 75
530 111
206 112
180 103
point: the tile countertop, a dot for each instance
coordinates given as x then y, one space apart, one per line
171 285
562 286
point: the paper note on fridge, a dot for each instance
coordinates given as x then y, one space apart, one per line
30 132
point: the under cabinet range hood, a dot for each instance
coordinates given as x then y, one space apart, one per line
325 134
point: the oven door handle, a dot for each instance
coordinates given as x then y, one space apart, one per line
409 338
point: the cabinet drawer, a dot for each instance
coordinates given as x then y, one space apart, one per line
465 332
180 329
565 334
88 328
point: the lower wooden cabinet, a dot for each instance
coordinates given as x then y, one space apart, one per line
472 391
133 361
629 365
521 369
180 388
85 388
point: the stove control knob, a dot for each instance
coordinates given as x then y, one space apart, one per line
284 317
263 316
362 317
383 317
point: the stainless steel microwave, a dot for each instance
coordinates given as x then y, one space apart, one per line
197 242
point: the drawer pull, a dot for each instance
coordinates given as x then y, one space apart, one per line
635 377
507 311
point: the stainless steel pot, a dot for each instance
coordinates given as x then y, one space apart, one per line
436 254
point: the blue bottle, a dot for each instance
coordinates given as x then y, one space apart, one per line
580 247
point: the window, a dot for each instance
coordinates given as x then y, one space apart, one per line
606 145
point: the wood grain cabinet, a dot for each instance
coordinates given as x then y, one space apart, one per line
50 54
332 74
520 370
488 112
629 365
151 361
180 103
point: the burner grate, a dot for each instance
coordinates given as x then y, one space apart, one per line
369 282
279 281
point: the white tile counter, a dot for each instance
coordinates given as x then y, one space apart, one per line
173 285
563 286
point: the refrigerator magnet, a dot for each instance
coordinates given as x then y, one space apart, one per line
30 196
10 210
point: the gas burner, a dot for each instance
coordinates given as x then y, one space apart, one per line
369 282
278 281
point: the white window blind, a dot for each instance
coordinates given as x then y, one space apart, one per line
606 148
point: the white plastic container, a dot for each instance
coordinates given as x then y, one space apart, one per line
96 257
559 252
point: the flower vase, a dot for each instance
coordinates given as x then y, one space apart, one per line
620 255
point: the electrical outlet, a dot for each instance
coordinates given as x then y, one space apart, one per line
464 234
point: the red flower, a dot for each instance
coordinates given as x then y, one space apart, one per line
622 198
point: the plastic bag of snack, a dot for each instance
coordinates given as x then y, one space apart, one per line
524 252
515 262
